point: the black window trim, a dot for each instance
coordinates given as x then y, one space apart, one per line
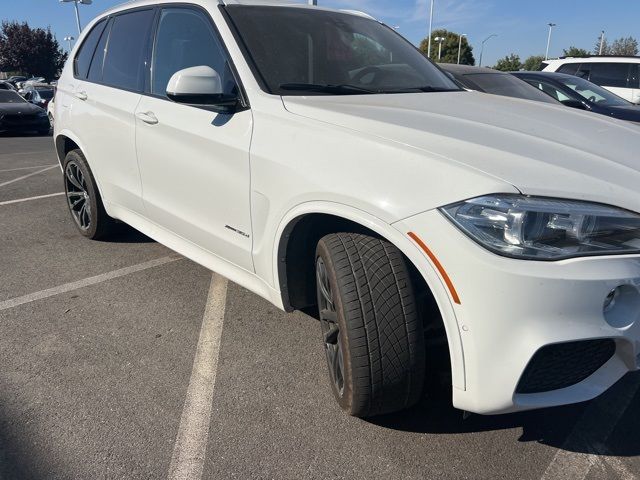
244 99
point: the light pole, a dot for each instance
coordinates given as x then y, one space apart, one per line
75 3
69 39
440 40
430 30
313 2
483 42
460 46
551 25
601 43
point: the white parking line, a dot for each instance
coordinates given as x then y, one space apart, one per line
19 200
189 451
590 435
27 176
25 168
68 287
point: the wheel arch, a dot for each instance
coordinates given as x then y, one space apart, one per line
297 236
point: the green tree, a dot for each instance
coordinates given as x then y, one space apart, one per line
533 63
30 51
510 63
624 46
575 52
621 46
449 48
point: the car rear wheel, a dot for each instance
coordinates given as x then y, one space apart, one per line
83 198
372 334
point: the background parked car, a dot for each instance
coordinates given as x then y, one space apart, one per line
14 80
579 93
39 95
620 75
494 82
6 85
17 115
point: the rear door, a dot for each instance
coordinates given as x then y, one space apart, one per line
109 82
194 163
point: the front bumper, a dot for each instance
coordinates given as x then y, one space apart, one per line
24 125
511 309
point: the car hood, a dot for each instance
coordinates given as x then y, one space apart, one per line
538 148
631 112
16 108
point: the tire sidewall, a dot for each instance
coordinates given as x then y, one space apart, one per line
77 158
346 399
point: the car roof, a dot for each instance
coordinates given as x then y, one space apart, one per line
595 58
552 75
468 69
265 3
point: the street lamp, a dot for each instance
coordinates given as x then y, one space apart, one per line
439 40
76 2
313 2
483 42
551 25
460 45
69 39
430 30
601 43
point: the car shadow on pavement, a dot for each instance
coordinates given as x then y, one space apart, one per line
126 234
551 426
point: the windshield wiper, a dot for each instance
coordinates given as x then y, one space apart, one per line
315 87
426 88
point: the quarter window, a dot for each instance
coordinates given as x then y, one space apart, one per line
126 49
569 68
85 54
186 39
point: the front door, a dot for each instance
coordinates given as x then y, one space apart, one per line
194 163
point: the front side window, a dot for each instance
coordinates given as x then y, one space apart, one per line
593 93
549 89
126 49
610 74
185 38
297 51
85 54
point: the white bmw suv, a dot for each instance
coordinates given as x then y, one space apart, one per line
318 159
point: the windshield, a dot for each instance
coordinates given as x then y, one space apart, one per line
9 96
507 85
299 51
593 93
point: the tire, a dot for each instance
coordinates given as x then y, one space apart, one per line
83 198
373 336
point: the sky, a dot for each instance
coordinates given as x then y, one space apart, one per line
521 26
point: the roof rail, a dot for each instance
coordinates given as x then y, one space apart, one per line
598 56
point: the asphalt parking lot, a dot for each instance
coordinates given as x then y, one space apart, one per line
110 367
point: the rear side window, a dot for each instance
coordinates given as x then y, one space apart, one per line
610 74
85 54
185 38
126 50
569 68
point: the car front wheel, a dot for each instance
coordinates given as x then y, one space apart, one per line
372 334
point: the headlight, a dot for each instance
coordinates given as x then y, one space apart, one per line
540 228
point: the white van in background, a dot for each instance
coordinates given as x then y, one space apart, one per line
620 75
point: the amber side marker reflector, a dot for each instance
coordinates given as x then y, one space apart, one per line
438 265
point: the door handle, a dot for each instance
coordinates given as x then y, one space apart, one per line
147 117
81 95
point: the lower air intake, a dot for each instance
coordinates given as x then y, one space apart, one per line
564 364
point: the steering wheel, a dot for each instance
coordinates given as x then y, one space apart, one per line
366 71
592 99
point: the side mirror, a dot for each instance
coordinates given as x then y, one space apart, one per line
201 86
574 104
